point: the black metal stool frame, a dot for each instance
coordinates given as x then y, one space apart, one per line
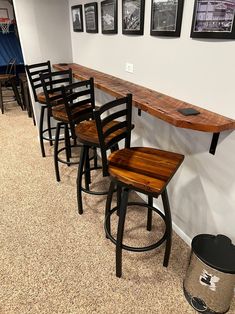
34 71
122 208
53 84
79 102
123 191
10 79
85 169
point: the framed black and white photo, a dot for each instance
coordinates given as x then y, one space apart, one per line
109 16
77 18
213 19
133 17
91 17
166 17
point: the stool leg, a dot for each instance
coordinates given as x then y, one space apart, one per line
41 130
108 206
150 213
119 197
168 221
87 170
49 125
67 143
56 146
24 97
79 178
1 99
16 93
95 158
121 223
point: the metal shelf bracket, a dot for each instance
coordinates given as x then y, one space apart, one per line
214 143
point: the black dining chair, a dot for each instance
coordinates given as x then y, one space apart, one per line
140 169
9 81
86 133
79 103
45 129
52 84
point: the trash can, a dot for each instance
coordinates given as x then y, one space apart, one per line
210 278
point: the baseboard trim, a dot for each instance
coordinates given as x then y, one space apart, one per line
177 230
181 234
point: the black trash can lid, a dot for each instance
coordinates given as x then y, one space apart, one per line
216 251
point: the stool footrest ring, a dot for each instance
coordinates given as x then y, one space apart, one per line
131 248
89 191
46 138
64 161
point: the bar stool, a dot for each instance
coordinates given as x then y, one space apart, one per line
9 79
142 169
33 71
54 85
86 133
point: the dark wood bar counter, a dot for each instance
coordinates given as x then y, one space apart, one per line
156 104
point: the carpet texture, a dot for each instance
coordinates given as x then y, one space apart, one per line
53 260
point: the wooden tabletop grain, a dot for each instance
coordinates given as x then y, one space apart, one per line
156 104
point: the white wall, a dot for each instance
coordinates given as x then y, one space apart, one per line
202 194
44 31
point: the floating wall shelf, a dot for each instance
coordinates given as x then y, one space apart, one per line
156 104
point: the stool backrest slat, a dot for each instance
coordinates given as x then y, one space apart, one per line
114 127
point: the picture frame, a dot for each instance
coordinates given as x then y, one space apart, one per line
109 14
77 18
91 17
133 17
213 19
166 17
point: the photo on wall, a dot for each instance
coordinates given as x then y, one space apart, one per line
77 18
133 17
166 17
91 17
109 17
213 19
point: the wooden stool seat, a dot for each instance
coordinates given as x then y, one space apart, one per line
143 168
59 112
86 132
41 98
5 80
6 77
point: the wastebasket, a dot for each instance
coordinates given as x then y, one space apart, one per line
210 278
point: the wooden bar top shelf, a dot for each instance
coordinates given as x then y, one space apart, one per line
156 104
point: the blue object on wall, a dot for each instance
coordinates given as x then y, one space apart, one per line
10 48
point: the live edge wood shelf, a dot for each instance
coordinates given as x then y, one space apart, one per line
156 104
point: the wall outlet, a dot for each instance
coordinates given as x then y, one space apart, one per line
129 67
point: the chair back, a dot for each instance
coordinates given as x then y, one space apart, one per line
33 71
79 101
52 83
114 127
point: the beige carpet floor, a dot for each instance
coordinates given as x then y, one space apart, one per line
53 260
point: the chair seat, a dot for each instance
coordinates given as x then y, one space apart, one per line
59 112
41 98
86 132
144 168
6 77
